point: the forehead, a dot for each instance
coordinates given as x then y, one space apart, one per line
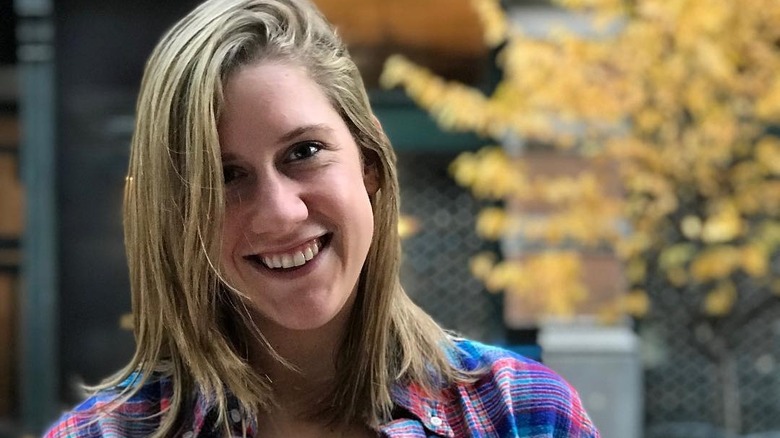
271 98
268 80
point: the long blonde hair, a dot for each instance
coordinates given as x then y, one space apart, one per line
185 318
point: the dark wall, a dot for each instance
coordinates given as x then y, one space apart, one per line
7 33
101 48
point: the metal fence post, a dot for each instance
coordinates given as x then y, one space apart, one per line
38 303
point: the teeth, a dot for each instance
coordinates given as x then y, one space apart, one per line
287 261
294 259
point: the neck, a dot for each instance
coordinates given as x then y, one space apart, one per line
312 353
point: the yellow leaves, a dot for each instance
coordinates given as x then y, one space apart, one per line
395 71
691 227
584 88
481 264
636 271
493 223
689 21
714 62
507 275
558 275
633 245
698 97
720 300
551 279
453 105
725 225
567 189
679 96
490 174
604 10
493 19
126 322
755 260
711 16
715 263
575 208
582 224
756 188
636 303
408 226
768 235
649 120
768 104
720 262
590 4
676 255
678 277
652 196
768 154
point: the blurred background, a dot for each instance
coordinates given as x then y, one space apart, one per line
592 183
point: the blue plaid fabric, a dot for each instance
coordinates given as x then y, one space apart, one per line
516 397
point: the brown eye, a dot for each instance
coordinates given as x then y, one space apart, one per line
302 151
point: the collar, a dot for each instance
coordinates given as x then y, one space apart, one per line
417 412
415 415
205 418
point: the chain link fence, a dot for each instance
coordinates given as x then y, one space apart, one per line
684 396
435 268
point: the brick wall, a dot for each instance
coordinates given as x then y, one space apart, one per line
10 235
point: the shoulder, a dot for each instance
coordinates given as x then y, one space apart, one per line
125 411
472 355
508 367
522 395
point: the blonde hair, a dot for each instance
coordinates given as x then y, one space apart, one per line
185 317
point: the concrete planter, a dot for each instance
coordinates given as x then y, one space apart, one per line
603 363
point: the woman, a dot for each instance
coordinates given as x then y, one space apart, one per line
261 215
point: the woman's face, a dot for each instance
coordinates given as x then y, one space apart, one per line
298 221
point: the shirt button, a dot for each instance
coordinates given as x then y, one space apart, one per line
189 434
436 421
235 415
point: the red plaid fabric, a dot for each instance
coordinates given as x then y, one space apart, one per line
516 397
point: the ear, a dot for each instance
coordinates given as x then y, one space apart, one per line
371 165
370 172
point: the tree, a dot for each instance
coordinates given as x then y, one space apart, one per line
679 97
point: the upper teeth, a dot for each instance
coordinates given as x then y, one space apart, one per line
293 259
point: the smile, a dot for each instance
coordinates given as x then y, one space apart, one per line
294 258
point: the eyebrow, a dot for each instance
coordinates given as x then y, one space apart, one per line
301 130
290 135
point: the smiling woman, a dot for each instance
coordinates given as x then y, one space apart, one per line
261 218
296 186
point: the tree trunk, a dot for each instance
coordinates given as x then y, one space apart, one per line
728 378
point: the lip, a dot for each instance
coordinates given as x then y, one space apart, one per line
288 248
255 259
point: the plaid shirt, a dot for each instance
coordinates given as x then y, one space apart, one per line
517 397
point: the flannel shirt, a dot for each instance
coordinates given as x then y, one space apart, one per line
516 397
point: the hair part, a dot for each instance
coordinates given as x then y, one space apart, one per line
184 312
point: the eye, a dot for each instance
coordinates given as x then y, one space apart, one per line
302 151
231 173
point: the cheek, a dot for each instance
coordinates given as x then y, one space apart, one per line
228 241
365 218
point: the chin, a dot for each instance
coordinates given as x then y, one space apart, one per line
304 317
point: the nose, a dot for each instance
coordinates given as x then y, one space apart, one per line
279 205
